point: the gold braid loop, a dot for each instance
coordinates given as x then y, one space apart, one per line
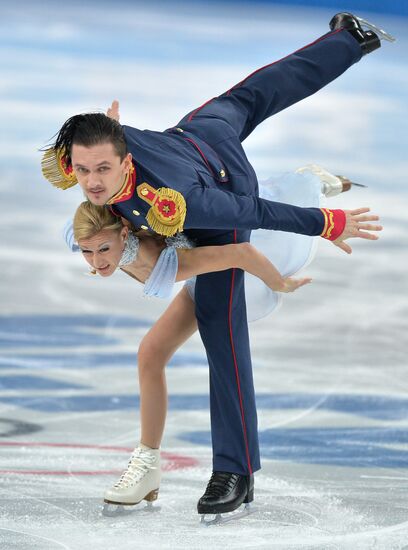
57 170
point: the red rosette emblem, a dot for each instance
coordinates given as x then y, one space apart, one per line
66 166
167 208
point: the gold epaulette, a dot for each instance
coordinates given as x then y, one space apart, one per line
168 209
57 170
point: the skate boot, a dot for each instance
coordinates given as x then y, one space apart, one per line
140 481
369 40
331 185
225 493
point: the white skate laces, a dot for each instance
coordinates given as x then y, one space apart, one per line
140 481
140 463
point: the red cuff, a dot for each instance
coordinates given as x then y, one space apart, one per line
334 223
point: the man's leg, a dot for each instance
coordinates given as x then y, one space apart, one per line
280 84
222 322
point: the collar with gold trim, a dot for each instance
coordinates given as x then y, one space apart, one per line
127 189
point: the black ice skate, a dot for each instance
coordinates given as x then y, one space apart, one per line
225 493
368 39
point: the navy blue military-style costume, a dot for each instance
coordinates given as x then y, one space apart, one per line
196 177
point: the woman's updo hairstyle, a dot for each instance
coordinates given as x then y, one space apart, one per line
89 219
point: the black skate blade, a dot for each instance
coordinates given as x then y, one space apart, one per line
382 34
346 181
358 184
111 510
220 519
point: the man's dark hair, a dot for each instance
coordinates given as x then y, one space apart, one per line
88 130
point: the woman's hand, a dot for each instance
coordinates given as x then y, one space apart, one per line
113 110
289 284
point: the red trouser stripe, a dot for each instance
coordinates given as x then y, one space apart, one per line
262 68
236 365
282 59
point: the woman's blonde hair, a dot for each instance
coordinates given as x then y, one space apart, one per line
89 219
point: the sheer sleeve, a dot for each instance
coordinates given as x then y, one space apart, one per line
163 276
68 234
180 240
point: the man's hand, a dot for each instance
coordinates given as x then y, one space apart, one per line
113 110
356 227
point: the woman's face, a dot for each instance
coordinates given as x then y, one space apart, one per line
104 250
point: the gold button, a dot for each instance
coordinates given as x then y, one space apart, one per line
144 192
222 173
136 213
144 227
179 129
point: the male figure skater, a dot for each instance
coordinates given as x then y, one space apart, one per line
196 178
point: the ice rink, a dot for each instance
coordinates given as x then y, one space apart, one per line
330 366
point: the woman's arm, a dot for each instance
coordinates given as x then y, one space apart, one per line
206 259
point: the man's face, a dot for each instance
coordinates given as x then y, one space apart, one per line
99 171
104 250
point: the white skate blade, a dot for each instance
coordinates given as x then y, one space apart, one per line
382 34
219 519
112 510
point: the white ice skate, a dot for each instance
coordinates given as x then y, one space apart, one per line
140 481
331 185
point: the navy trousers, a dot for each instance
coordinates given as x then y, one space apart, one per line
224 123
